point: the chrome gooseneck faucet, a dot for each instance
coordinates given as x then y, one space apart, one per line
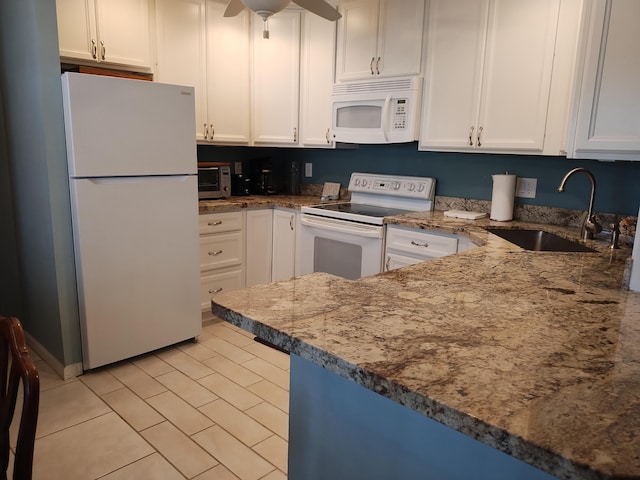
590 226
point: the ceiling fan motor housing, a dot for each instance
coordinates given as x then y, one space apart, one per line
266 8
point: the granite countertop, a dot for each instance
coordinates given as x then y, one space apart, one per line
536 354
257 201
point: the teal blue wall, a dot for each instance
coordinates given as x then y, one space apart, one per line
466 175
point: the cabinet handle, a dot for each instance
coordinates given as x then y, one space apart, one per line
295 134
103 50
417 244
206 131
94 49
378 66
387 264
327 136
215 290
291 223
215 223
479 136
217 252
471 136
373 59
213 131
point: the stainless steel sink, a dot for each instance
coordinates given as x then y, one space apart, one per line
538 240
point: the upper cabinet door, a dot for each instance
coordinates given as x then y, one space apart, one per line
275 80
123 32
76 24
181 45
357 39
456 37
379 38
517 74
109 31
608 120
228 85
401 24
316 81
488 75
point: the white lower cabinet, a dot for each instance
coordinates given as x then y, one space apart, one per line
285 231
222 255
408 246
259 241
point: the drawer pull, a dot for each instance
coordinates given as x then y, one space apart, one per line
215 223
215 290
217 252
417 244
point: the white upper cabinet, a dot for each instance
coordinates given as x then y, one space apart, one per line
379 38
105 31
182 49
488 76
608 109
228 108
197 46
275 70
316 81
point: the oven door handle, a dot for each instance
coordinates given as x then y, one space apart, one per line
371 231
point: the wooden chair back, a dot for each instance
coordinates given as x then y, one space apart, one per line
16 366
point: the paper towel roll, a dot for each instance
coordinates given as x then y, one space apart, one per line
504 190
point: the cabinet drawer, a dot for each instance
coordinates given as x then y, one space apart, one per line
220 222
216 282
420 244
222 250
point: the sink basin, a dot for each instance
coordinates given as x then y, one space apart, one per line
538 240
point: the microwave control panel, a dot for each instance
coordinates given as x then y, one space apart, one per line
399 113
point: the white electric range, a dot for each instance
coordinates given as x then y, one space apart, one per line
347 238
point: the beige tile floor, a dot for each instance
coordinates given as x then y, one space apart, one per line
215 409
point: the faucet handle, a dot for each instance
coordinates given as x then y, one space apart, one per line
615 235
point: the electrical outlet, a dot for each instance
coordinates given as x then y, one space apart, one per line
308 169
526 187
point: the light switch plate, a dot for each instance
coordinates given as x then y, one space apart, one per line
526 187
308 169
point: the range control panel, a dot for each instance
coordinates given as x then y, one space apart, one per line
393 185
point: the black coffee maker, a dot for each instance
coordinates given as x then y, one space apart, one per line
265 182
240 184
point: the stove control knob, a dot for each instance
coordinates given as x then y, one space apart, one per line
364 183
412 187
357 181
421 187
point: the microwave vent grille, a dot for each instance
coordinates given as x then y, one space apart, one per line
391 85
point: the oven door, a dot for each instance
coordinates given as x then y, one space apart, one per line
340 247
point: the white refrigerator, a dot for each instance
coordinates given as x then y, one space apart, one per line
131 150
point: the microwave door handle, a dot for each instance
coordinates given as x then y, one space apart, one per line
385 118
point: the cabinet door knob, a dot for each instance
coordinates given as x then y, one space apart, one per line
215 223
94 49
417 244
215 290
103 50
215 253
471 136
479 136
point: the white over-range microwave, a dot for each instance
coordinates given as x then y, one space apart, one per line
377 111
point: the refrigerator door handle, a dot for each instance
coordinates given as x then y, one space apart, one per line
149 179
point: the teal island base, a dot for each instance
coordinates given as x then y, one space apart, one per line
339 430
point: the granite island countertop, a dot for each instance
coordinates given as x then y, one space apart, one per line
536 354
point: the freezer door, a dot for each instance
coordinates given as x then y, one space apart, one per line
122 127
137 263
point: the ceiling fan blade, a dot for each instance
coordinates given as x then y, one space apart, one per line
234 8
319 7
